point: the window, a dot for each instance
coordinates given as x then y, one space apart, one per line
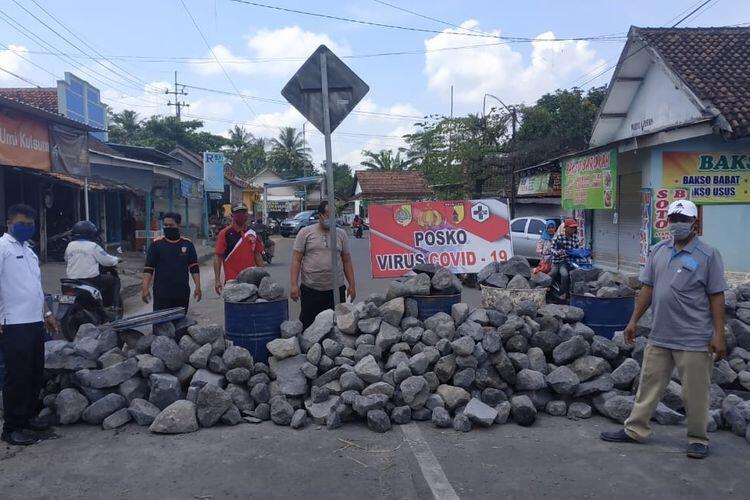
536 226
518 226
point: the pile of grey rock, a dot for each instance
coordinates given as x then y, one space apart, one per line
429 279
253 284
513 274
375 361
173 386
601 284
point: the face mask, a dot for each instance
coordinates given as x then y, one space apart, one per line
326 223
680 231
240 219
22 231
172 233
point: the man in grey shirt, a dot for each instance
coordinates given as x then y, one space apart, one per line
683 283
311 258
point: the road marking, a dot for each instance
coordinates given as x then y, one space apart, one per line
428 463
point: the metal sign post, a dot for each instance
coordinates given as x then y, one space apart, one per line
325 90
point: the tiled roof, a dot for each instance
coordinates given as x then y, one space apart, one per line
384 185
714 63
43 98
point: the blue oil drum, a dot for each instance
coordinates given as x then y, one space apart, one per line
2 370
253 324
605 316
427 305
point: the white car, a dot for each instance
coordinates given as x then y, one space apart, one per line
525 233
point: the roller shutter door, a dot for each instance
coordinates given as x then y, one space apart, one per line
604 239
629 224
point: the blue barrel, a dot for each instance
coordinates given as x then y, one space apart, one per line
253 324
605 316
427 305
2 370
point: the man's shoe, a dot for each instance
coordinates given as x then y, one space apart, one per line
20 438
697 450
617 437
38 424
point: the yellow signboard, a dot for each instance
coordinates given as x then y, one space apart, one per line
709 177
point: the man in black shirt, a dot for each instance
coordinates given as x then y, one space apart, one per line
169 260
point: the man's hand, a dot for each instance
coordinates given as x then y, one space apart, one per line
294 293
197 294
218 286
351 293
718 347
146 295
53 327
629 333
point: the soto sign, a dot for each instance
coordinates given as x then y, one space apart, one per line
590 182
463 236
708 177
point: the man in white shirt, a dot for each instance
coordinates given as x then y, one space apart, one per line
84 256
22 319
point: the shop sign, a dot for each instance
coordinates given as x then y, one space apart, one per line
24 142
463 236
645 232
541 184
708 177
213 172
590 182
661 200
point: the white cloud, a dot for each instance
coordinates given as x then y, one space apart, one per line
291 45
148 102
500 70
12 60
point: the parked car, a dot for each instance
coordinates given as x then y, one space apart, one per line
290 227
525 233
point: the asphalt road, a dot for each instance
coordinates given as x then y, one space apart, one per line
555 458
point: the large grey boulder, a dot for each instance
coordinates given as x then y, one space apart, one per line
346 318
618 408
108 377
168 351
453 396
69 406
177 418
378 421
199 358
205 334
393 310
212 403
587 367
289 377
416 285
624 375
143 412
281 411
134 388
283 348
165 389
387 337
530 380
368 370
239 292
563 381
237 357
204 376
480 413
522 410
252 275
269 289
291 328
569 350
415 391
315 333
318 412
96 412
117 419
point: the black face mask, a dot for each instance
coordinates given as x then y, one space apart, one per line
172 233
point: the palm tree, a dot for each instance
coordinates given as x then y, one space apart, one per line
126 127
386 160
291 144
239 138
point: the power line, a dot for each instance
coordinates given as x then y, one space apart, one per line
423 16
223 69
20 77
421 30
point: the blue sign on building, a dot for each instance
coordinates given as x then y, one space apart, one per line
213 172
79 100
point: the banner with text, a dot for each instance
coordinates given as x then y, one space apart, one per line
708 177
463 236
590 181
661 200
213 172
23 142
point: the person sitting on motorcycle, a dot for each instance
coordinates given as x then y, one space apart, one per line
357 226
544 246
561 243
83 257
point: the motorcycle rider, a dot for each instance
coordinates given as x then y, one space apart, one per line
357 226
561 243
83 257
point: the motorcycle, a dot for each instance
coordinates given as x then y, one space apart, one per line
263 233
578 258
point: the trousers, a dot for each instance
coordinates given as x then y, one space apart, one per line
168 302
563 271
695 374
314 302
109 286
23 349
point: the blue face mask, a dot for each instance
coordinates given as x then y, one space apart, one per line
22 231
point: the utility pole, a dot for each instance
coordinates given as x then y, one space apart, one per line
177 92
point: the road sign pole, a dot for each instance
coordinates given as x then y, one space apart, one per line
329 179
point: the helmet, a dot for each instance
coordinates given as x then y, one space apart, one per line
84 230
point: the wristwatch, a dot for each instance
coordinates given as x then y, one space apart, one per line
48 314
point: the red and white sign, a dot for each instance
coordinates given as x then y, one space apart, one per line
661 200
463 236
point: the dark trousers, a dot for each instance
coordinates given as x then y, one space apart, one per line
561 271
162 302
23 349
110 288
315 302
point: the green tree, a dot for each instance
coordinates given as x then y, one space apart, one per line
125 127
386 160
342 179
165 132
246 154
289 155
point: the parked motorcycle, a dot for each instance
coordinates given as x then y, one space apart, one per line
263 233
578 258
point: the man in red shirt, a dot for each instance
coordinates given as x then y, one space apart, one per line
237 247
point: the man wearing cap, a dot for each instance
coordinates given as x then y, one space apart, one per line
683 283
561 243
237 247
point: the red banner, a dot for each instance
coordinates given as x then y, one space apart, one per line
460 235
24 142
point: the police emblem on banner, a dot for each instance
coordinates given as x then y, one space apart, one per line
403 215
457 212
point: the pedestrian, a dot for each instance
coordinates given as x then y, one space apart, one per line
544 246
311 259
169 260
23 316
237 247
683 283
561 243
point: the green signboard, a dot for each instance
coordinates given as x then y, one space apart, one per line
590 182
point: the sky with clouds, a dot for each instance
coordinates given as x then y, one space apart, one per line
410 72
